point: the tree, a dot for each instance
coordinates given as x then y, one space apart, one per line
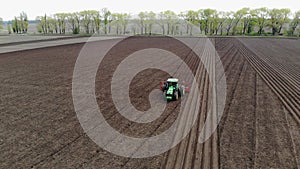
171 19
106 18
221 21
229 21
86 18
125 21
16 25
52 25
42 25
296 21
24 22
161 22
191 18
284 19
150 20
120 20
77 22
278 17
96 17
142 16
116 17
218 22
252 22
214 28
134 26
260 16
238 17
74 22
246 20
207 16
60 19
20 24
209 21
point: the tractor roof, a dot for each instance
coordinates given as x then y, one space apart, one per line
172 80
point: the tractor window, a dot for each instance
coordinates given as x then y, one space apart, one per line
172 84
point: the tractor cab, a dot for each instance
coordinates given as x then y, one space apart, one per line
172 82
171 88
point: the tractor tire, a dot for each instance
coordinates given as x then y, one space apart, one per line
181 92
175 96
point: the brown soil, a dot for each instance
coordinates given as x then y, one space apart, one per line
259 128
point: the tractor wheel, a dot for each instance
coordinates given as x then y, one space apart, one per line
176 96
182 91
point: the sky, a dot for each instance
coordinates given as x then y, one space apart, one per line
34 8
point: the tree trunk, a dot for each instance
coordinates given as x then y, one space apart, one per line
187 28
280 28
163 29
124 29
222 30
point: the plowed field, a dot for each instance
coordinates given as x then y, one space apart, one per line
260 127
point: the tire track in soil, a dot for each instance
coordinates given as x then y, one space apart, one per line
194 65
268 122
284 89
50 140
274 147
189 153
190 62
262 125
278 86
113 118
128 125
144 131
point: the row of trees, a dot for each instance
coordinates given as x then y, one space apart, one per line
89 21
19 24
205 21
243 21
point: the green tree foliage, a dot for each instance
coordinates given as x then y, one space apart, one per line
117 19
171 20
60 21
191 17
229 20
161 22
42 25
260 16
96 21
150 21
278 17
20 23
74 22
142 17
239 16
221 22
107 18
209 22
86 18
120 21
295 23
208 16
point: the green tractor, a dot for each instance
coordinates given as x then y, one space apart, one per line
172 90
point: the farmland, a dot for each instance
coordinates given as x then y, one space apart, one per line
259 127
